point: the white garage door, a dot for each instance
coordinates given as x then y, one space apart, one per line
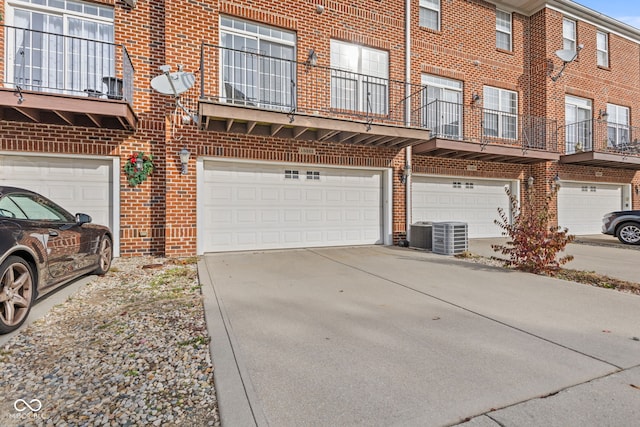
244 206
470 200
77 184
581 205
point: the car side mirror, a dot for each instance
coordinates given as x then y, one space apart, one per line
82 218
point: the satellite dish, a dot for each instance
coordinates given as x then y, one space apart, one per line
566 55
173 83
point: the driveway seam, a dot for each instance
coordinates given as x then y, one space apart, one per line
237 399
548 395
619 368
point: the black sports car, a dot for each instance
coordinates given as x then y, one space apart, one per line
42 247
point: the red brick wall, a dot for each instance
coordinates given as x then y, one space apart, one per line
160 215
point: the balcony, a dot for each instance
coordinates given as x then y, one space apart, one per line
470 132
63 80
249 93
604 144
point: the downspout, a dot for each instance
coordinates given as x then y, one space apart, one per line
407 114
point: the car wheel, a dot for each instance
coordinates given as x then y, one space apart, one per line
17 292
629 233
105 255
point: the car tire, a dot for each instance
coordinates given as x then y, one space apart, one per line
17 293
105 255
629 233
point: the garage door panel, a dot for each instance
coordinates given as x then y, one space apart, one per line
474 201
581 205
78 186
331 207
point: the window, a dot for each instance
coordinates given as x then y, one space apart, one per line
568 34
36 208
313 175
65 47
602 48
617 126
578 120
503 30
443 106
291 174
430 14
258 65
501 113
359 78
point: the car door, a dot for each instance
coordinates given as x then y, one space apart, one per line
57 230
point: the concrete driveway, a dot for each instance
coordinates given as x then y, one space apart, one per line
383 336
599 253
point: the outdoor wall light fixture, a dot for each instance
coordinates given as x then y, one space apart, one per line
139 163
602 115
475 99
556 182
530 182
637 189
184 160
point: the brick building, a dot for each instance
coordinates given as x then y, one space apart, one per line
317 122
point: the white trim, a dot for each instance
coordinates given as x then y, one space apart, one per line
115 183
600 25
386 195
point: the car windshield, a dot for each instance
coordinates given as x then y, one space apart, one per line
26 206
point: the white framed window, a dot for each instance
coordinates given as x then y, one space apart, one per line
500 113
430 14
602 48
568 34
443 106
617 125
578 124
503 30
313 175
291 174
258 64
60 46
359 78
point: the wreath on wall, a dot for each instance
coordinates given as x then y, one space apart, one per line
138 168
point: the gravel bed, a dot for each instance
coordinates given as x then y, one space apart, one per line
129 349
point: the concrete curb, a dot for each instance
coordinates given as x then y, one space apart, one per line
237 401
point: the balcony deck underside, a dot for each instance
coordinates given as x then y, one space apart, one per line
251 121
600 159
57 109
453 149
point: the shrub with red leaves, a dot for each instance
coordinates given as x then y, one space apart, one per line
534 244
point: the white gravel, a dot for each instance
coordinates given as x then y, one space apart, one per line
129 349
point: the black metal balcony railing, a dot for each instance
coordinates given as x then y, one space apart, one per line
602 136
470 123
256 80
55 63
